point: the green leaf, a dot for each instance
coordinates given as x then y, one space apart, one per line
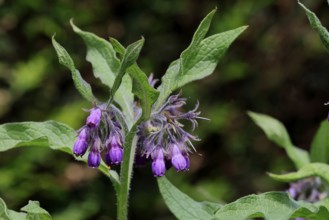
35 212
181 205
316 24
141 87
54 135
276 132
312 169
64 58
271 206
198 60
320 144
129 58
106 65
32 211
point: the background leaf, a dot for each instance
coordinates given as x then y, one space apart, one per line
141 87
54 135
198 60
312 169
316 24
64 58
34 211
181 205
276 132
320 144
271 206
106 65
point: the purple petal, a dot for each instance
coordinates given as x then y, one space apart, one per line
94 159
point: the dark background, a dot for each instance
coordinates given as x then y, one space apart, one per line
278 66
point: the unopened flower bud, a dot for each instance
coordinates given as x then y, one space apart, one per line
94 117
178 160
158 164
81 144
94 159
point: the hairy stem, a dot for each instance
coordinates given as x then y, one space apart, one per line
126 173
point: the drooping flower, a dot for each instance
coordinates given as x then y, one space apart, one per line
163 135
94 157
114 152
81 144
102 131
94 118
158 164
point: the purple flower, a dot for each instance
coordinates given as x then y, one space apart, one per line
94 117
158 164
94 157
114 151
81 144
178 160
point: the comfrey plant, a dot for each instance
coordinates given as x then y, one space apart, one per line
141 122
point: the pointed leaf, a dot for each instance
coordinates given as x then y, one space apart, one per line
102 57
141 87
320 144
64 58
181 205
312 169
129 58
198 60
276 132
54 135
316 24
271 206
34 211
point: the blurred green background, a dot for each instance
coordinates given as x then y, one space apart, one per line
278 66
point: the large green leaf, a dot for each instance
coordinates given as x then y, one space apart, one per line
32 211
276 132
271 206
141 87
181 205
64 58
320 144
316 24
106 65
50 134
198 60
312 169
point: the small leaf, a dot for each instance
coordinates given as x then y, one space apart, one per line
276 132
198 60
101 55
181 205
316 24
270 206
141 87
312 169
129 58
34 211
64 58
320 144
54 135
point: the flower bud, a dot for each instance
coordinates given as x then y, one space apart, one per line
81 144
114 153
178 160
158 164
94 159
94 117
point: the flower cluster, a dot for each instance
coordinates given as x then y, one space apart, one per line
101 132
163 140
308 190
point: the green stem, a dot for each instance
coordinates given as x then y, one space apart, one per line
126 173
